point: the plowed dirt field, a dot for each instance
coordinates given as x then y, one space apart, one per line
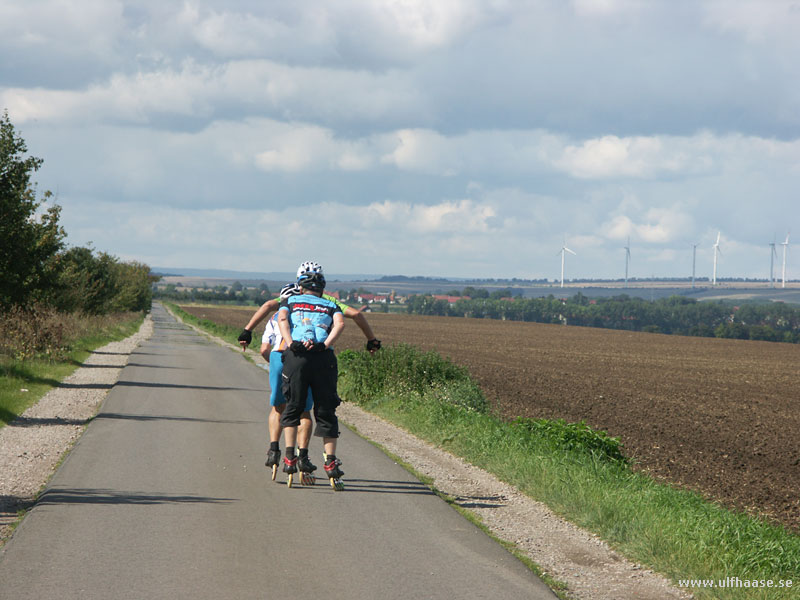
721 417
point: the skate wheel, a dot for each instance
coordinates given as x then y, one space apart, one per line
289 479
308 479
337 484
274 471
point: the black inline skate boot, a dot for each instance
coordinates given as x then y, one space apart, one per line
290 468
273 460
334 473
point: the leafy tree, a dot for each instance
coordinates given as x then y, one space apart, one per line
86 282
133 286
735 331
99 284
498 294
764 332
28 243
580 299
475 293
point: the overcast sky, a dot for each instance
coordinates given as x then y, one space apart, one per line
464 138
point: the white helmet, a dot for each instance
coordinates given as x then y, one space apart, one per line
290 289
309 267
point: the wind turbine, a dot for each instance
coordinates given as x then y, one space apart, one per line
772 255
563 251
694 261
716 252
627 259
785 245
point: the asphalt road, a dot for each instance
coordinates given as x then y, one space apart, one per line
166 496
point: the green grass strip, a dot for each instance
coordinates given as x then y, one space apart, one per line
24 382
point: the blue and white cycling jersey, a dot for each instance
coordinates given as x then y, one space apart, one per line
310 317
272 334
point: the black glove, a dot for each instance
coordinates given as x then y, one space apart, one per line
373 344
296 347
318 347
246 336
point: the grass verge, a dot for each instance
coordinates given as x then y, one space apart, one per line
23 381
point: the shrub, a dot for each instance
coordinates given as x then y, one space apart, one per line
27 333
366 378
765 333
45 333
574 437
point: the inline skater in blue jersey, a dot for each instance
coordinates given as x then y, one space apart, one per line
310 324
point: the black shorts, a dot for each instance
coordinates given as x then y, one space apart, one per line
318 371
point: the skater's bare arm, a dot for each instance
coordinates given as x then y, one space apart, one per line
358 317
360 320
336 330
263 311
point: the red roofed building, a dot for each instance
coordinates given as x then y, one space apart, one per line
373 298
450 299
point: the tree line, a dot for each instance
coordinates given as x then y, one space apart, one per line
37 268
777 322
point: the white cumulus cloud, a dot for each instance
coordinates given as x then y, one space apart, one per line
653 226
612 156
463 216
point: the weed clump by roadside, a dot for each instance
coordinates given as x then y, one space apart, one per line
35 332
573 437
405 371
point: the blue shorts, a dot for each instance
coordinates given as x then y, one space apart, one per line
276 397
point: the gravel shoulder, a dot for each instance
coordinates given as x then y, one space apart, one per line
32 446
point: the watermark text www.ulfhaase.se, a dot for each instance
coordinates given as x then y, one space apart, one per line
735 582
